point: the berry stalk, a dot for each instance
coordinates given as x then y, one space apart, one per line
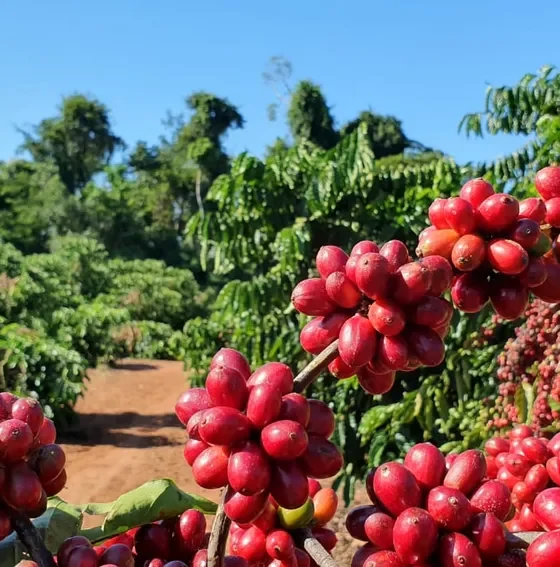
29 536
221 524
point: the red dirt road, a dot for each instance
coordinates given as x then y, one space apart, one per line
127 432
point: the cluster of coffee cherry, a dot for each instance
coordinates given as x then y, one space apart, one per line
31 464
500 248
385 310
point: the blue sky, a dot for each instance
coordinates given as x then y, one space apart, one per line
426 62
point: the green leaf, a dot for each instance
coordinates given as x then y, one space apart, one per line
156 500
60 521
520 402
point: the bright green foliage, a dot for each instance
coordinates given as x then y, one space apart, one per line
530 108
31 204
79 141
384 132
64 312
309 117
35 364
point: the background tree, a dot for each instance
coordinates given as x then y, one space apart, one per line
31 204
79 141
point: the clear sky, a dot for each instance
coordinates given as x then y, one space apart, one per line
424 61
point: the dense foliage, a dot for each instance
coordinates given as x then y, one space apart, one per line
68 310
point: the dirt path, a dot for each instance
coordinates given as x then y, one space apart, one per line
127 432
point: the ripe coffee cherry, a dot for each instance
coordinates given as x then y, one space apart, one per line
534 274
468 253
442 274
264 405
193 448
190 529
426 345
547 182
411 282
190 402
210 468
396 488
372 274
224 426
456 549
476 191
532 208
396 254
544 550
321 459
508 296
357 341
321 419
296 408
364 247
507 256
330 259
22 489
151 540
29 411
466 472
470 292
280 545
320 332
449 507
15 440
431 312
525 232
375 383
415 535
252 545
487 533
310 297
427 463
546 508
288 485
497 213
553 212
248 469
275 374
379 530
227 387
438 243
284 440
232 358
460 215
340 370
393 352
492 497
387 317
245 509
436 213
342 290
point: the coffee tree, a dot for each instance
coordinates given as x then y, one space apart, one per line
377 312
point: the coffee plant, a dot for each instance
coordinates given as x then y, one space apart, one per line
253 434
67 311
